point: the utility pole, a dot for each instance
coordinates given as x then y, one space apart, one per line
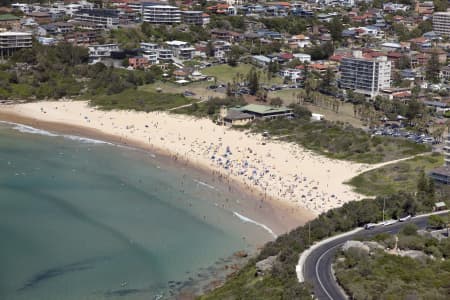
384 206
309 233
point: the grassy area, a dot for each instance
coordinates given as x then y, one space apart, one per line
132 99
401 176
340 141
199 88
345 113
386 276
226 73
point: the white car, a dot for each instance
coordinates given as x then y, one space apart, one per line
370 226
404 219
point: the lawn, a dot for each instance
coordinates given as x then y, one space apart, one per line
345 113
140 100
226 73
199 88
401 176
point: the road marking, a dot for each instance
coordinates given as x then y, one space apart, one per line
317 270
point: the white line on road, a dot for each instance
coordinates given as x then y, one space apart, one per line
317 270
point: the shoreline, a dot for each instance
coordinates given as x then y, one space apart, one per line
288 183
281 217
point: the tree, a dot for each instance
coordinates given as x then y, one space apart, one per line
413 110
433 68
233 55
335 26
276 101
253 81
209 49
436 222
327 80
422 182
440 5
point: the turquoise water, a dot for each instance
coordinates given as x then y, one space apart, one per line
81 219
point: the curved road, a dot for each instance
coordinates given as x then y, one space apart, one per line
317 267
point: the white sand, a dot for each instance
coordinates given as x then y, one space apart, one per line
281 170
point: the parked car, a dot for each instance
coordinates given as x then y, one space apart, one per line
404 219
370 226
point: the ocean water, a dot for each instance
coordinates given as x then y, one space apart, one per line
84 219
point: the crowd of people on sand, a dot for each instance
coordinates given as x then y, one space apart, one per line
232 161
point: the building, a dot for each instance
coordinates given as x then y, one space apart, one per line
40 17
294 75
138 62
192 17
105 50
366 75
160 14
180 49
266 111
165 55
11 41
442 174
82 38
9 21
441 23
234 116
108 18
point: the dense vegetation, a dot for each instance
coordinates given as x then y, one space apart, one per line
282 282
139 100
385 276
401 176
45 72
338 140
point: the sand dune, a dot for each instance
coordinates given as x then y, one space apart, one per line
278 170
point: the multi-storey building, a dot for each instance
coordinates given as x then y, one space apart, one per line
442 174
441 23
165 55
108 18
11 41
160 14
364 74
192 17
105 50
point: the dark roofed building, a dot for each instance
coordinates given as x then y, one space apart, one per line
266 111
9 21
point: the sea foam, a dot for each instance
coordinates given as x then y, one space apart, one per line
248 220
205 184
32 130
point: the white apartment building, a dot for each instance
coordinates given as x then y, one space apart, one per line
25 8
108 18
181 49
151 52
294 75
366 75
441 23
160 14
303 57
96 51
165 55
11 41
192 17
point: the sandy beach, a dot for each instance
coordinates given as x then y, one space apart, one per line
287 175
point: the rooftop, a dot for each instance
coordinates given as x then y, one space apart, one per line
8 17
265 109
